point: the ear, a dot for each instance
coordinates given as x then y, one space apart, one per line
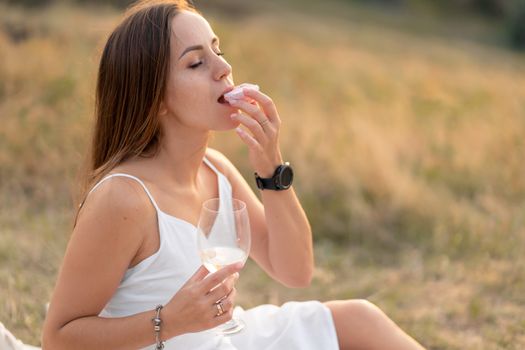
163 110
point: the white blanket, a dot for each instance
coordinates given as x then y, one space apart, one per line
9 342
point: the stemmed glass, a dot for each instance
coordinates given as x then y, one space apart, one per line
223 238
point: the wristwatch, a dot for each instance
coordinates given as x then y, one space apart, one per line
281 180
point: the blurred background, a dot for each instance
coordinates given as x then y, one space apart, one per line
404 120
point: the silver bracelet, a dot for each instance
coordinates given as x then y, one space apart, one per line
156 327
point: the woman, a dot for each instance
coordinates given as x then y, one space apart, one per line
160 83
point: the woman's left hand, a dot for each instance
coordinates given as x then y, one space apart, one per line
263 121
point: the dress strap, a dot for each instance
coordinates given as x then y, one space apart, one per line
211 166
130 177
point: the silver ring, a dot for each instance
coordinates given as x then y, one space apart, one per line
220 308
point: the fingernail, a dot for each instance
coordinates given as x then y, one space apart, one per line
239 130
233 115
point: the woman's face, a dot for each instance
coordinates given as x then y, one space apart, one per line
198 76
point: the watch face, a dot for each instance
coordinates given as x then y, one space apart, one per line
286 177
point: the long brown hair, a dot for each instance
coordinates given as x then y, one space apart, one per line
130 87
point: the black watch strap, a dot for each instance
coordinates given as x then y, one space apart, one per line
265 183
281 179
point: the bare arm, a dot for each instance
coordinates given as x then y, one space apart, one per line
108 234
282 243
281 234
289 237
105 242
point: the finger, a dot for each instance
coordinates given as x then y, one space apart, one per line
227 304
252 110
199 275
264 101
223 290
217 307
252 125
219 276
220 291
224 304
249 140
225 317
231 296
231 280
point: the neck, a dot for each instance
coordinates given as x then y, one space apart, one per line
180 156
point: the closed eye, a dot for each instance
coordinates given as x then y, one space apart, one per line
195 65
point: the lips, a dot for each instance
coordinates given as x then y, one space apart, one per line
221 98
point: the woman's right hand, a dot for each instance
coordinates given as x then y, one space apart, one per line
194 309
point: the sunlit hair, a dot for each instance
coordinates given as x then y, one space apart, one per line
130 87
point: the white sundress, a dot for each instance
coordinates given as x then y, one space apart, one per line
294 325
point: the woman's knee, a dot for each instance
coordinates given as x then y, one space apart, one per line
357 322
360 324
364 306
363 309
358 310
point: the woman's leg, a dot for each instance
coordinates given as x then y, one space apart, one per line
362 325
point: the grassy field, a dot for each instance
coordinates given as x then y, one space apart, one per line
409 148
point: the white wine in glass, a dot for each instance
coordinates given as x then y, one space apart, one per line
216 258
223 238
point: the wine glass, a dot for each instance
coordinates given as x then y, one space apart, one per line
223 238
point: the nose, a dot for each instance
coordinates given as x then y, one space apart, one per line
223 70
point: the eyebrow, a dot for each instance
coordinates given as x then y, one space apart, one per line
197 47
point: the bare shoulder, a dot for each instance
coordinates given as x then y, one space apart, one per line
221 162
117 210
241 188
110 229
118 197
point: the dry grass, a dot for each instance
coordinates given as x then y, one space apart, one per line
409 150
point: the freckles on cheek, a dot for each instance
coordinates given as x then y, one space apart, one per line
182 89
175 93
186 102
